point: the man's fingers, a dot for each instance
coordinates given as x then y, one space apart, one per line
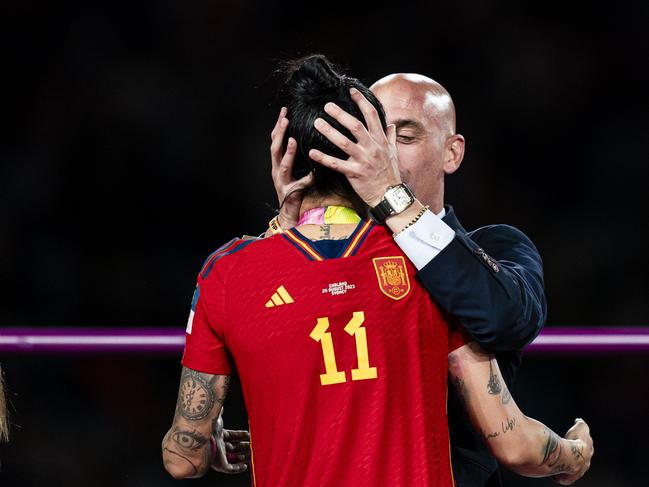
348 121
580 427
392 134
335 137
332 162
369 112
236 435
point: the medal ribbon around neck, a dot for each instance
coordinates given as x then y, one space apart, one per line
329 215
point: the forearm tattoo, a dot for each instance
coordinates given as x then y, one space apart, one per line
197 395
551 452
493 386
496 385
506 397
577 452
189 440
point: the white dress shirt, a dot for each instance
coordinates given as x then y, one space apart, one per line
426 238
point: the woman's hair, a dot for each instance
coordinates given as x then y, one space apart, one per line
311 82
4 422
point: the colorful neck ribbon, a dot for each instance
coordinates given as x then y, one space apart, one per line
329 214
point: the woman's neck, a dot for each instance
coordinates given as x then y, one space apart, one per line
316 201
332 231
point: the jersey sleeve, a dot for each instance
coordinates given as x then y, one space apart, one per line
205 345
457 335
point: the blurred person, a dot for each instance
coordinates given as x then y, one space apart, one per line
4 421
260 304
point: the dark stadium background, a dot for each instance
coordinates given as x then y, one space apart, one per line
135 142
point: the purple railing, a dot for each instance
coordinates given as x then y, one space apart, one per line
553 339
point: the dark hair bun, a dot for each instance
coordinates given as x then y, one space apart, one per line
309 84
312 78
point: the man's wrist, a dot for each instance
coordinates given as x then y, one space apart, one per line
375 200
576 449
396 200
397 223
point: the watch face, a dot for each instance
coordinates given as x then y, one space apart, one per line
398 198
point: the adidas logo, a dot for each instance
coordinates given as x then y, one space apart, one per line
279 298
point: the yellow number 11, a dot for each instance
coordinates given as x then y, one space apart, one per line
333 375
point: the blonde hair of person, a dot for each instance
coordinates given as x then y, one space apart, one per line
4 422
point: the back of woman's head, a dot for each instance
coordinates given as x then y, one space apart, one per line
311 83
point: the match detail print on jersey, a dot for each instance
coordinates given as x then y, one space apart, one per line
354 328
393 276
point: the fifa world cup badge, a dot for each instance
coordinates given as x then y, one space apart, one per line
393 276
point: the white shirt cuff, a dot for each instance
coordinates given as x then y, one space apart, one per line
426 238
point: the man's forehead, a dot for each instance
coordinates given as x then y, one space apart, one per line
413 97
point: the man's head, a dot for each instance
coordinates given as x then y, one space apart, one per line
311 83
424 116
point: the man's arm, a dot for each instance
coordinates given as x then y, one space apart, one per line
492 281
522 444
187 448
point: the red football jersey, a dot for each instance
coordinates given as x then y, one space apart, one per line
342 361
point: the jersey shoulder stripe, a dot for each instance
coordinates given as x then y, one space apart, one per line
357 238
222 248
233 246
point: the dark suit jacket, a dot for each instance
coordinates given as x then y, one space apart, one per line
491 280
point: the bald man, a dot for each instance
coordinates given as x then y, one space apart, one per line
490 279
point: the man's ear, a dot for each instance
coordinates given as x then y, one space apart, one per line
453 154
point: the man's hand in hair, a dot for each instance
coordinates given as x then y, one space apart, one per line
373 164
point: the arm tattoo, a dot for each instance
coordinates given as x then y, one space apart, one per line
576 452
197 396
506 427
226 387
493 386
506 397
189 440
490 436
552 449
509 425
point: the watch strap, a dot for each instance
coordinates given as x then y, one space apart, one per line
384 209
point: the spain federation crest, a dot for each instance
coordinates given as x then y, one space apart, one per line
393 276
